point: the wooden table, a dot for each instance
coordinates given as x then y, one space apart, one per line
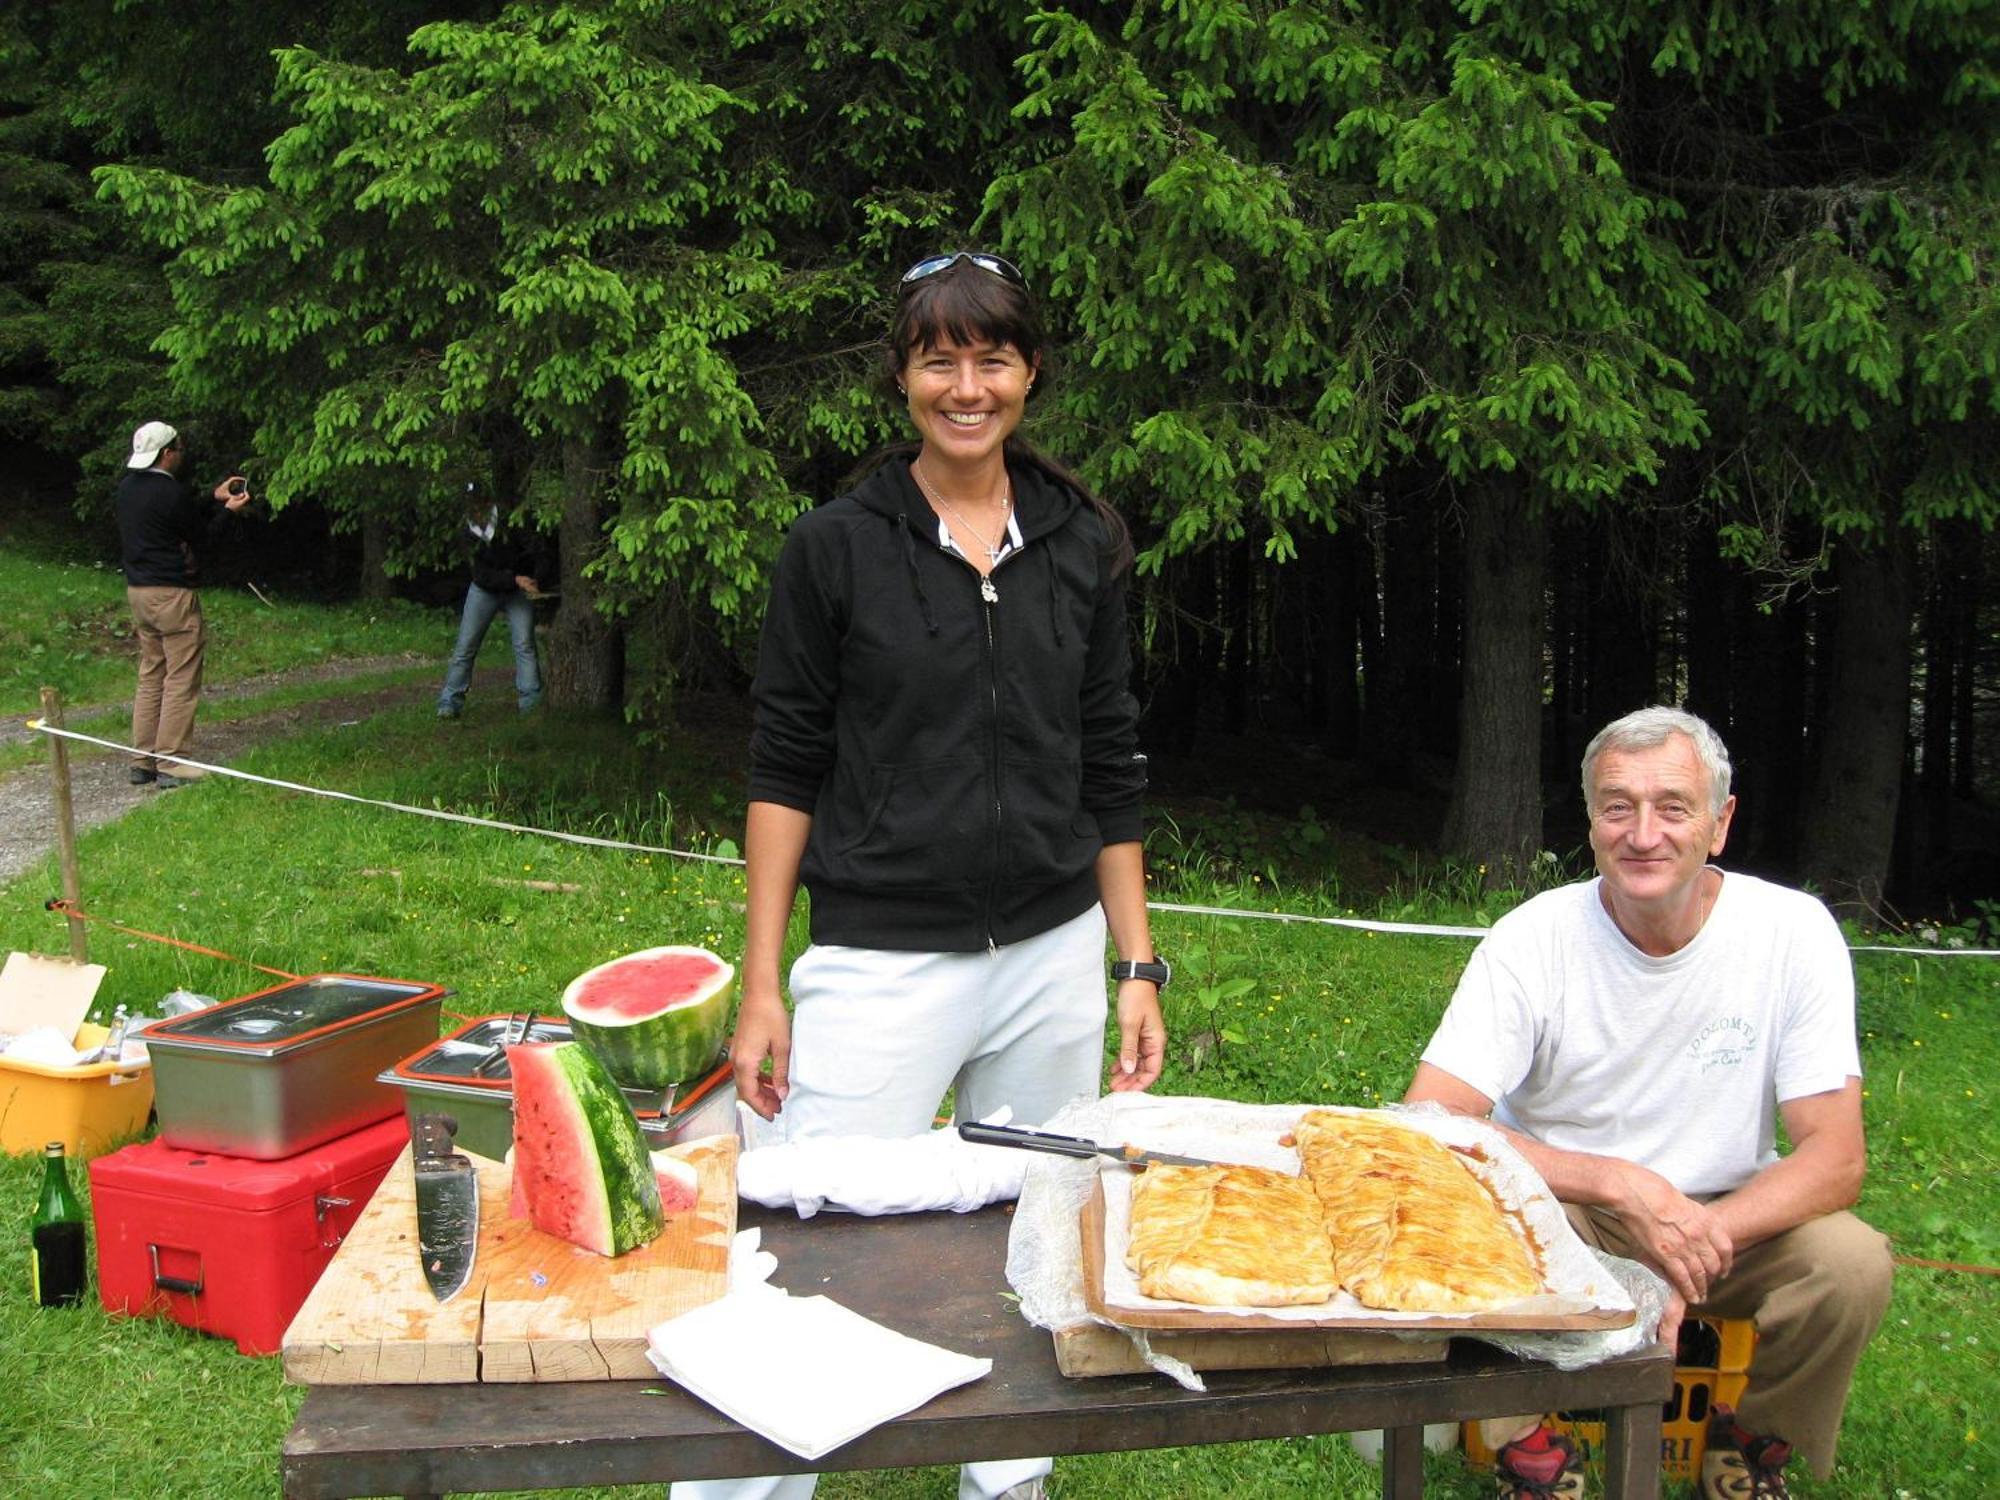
936 1277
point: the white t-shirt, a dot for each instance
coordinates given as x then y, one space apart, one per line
1676 1063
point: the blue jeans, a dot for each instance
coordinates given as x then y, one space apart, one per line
481 605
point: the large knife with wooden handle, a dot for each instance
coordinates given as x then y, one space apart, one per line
447 1205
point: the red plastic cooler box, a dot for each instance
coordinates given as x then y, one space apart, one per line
224 1244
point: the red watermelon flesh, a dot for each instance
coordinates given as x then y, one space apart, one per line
647 983
581 1170
679 1179
680 1182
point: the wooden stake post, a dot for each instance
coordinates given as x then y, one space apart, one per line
72 880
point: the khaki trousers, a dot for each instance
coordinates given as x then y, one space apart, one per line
172 638
1816 1293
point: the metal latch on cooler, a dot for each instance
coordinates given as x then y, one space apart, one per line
324 1204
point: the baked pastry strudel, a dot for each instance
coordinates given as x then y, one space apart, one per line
1412 1228
1228 1236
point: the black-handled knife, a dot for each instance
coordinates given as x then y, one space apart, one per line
447 1205
1075 1145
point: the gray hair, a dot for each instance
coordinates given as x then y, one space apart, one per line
1650 728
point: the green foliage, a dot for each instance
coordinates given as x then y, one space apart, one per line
628 257
577 229
1302 254
189 81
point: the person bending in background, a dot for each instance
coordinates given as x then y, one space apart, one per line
944 753
505 562
1639 1036
161 520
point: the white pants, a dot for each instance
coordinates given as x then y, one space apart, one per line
984 1481
879 1036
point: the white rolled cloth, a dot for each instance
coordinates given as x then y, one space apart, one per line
871 1175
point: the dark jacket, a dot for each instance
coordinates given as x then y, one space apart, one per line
508 554
160 522
964 760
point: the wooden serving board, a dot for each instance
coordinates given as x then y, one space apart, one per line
1093 1349
1363 1320
536 1309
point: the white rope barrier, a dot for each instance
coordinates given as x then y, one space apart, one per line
423 812
1358 924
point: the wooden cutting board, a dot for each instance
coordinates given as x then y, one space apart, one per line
1093 1349
537 1308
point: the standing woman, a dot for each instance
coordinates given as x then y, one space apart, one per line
945 755
505 563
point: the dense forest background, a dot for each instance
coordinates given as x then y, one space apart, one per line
1470 373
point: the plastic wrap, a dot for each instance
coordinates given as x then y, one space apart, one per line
1045 1257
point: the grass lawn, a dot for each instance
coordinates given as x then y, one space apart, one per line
103 1407
64 624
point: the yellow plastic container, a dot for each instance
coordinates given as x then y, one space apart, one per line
1714 1356
89 1109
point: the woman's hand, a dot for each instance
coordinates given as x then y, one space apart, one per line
1142 1036
763 1030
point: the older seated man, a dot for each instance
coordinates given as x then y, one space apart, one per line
1640 1035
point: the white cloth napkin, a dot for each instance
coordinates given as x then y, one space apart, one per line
872 1175
804 1372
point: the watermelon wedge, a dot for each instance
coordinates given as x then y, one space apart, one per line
581 1169
656 1017
679 1178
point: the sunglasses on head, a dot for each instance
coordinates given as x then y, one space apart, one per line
930 265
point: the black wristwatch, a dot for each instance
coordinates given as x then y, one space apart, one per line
1159 971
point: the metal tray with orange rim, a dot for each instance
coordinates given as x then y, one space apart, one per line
274 1073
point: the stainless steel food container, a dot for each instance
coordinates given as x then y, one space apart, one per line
465 1075
277 1072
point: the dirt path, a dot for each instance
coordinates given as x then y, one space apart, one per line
99 791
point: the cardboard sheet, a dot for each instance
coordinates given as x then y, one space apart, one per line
39 991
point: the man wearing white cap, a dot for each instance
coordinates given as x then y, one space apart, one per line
160 519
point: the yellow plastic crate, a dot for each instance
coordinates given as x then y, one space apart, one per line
1714 1360
89 1109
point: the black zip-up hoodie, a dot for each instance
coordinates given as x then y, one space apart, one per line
964 758
504 556
160 523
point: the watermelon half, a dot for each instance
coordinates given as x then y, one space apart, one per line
581 1168
656 1017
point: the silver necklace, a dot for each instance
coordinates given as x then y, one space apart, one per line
1006 504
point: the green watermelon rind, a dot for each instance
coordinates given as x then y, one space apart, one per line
657 1051
605 1158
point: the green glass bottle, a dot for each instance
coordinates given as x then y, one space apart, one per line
56 1261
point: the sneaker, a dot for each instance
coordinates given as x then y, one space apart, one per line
1544 1465
1738 1465
1027 1489
185 776
140 776
446 712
